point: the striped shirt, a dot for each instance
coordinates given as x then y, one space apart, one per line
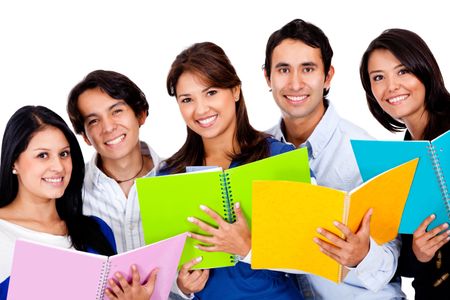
103 197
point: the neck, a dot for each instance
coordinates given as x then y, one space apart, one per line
298 130
416 125
217 151
126 168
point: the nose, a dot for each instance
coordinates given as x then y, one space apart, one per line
202 106
393 84
295 81
109 124
56 164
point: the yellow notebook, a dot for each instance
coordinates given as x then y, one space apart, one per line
286 215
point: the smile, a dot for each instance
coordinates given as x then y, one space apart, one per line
396 99
53 180
206 122
116 140
296 98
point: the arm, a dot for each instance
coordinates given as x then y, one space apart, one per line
375 264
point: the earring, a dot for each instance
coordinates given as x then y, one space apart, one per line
14 171
270 90
236 100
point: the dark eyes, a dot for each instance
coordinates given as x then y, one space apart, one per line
65 153
211 92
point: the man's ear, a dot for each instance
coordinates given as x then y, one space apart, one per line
329 77
267 78
85 138
141 118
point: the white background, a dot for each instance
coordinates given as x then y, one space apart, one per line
46 47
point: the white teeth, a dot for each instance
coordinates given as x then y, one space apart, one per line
397 99
53 180
296 98
116 140
207 120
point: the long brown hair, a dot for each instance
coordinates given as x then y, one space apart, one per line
211 63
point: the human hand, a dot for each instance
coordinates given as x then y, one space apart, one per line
121 289
351 250
426 244
234 238
192 281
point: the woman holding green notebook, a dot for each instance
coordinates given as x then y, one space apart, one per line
209 95
405 89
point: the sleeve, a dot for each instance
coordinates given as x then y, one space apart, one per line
176 293
4 289
107 232
379 266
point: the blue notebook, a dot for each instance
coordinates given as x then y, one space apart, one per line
429 190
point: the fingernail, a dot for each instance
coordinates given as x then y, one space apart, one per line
189 234
448 232
196 246
199 259
202 207
336 223
316 240
237 205
319 230
445 225
433 216
191 219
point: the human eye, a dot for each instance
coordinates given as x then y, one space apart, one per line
185 100
42 155
377 77
308 69
65 153
91 122
283 70
117 111
403 71
211 92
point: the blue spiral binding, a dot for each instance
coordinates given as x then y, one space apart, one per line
443 187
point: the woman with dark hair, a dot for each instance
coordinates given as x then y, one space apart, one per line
209 95
42 173
405 89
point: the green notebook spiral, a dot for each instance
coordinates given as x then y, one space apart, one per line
167 201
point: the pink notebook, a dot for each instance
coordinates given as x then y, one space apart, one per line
45 272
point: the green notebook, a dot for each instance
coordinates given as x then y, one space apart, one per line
167 201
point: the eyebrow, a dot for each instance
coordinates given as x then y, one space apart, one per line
119 103
188 94
305 64
47 149
380 71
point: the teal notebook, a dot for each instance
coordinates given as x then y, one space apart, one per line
429 190
167 201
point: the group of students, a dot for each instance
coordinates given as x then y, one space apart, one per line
49 195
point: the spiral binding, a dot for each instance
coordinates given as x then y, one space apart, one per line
440 176
103 280
228 204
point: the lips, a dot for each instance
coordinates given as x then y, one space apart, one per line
397 99
116 140
296 99
208 121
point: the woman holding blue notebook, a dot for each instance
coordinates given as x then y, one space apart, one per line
405 89
209 95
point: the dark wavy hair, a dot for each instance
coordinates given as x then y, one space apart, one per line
210 62
305 32
116 85
20 129
412 51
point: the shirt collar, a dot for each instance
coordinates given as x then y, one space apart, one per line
321 135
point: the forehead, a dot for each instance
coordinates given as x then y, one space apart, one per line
95 101
381 59
49 137
294 52
190 81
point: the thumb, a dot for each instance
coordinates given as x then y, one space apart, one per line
365 224
239 214
150 285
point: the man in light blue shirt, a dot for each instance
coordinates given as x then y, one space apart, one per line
298 71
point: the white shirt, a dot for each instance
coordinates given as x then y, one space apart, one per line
10 232
103 197
332 160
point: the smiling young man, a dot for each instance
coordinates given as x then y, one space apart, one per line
298 72
107 109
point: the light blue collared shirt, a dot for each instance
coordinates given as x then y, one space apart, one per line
332 160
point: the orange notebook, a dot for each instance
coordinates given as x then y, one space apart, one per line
286 215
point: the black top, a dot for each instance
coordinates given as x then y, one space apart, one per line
429 278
